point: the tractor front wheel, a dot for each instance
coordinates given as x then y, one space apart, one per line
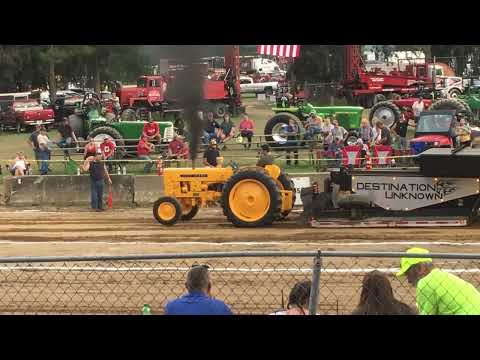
167 210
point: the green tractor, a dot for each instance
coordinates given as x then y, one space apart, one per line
88 122
471 96
348 116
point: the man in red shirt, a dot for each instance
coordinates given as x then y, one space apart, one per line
151 130
144 148
108 151
177 149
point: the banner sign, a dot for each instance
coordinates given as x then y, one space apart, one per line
411 192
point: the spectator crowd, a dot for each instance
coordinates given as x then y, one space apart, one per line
438 292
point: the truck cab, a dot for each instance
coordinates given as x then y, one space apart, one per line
149 92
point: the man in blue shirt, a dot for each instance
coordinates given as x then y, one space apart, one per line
198 301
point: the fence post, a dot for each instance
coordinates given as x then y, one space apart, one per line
314 291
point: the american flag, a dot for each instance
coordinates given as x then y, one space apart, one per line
279 50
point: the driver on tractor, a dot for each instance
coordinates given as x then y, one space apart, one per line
151 130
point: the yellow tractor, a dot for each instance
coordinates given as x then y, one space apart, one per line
249 197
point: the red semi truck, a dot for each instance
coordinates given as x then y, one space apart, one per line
151 92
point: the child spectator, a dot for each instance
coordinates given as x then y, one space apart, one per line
298 299
19 165
246 129
464 133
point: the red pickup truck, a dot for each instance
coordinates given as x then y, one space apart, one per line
21 114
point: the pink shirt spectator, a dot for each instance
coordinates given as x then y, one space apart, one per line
246 124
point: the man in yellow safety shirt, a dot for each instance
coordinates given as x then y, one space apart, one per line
438 292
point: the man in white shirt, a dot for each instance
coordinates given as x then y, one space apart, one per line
43 151
417 107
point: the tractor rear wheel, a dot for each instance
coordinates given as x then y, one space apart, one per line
167 210
274 128
251 198
285 183
453 104
219 109
188 210
386 111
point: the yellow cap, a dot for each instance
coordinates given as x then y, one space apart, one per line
406 263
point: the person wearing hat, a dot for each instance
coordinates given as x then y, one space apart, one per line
177 148
438 292
211 154
266 157
98 174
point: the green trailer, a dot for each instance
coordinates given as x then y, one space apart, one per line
348 116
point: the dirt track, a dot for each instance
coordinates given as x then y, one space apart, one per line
133 231
114 287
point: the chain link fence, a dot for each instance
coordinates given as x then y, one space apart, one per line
249 282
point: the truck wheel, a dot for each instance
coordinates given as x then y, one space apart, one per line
453 93
251 198
128 115
219 109
18 128
102 132
386 111
285 183
268 91
274 128
167 210
76 122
